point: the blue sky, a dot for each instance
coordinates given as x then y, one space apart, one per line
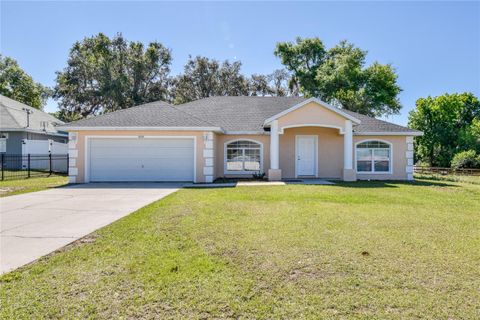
434 46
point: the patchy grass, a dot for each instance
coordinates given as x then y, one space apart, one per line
354 250
450 177
12 187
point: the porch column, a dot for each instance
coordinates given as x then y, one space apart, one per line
274 173
348 172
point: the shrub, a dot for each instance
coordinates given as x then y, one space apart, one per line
259 175
466 159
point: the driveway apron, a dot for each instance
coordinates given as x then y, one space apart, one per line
35 224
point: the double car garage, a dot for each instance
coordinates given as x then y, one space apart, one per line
140 159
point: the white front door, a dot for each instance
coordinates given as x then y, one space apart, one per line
306 158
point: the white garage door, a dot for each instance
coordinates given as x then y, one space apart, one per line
145 159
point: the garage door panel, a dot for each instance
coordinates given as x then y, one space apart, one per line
141 159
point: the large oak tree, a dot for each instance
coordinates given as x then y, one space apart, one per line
203 77
106 74
339 76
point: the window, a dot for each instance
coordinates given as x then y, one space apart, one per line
373 157
243 156
3 142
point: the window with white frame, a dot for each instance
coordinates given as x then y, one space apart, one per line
3 142
373 157
243 156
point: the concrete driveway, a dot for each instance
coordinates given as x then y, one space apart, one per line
35 224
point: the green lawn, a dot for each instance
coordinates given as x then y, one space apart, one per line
359 250
12 187
450 177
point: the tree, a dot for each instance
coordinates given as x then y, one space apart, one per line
466 159
204 77
281 84
339 76
18 85
276 84
104 75
450 124
259 85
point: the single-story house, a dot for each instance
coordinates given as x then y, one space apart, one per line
22 126
199 141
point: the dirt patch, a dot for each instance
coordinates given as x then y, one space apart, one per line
5 190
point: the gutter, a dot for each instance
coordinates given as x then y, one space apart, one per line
72 128
34 131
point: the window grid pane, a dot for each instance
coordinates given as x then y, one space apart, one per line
243 156
381 160
373 144
373 156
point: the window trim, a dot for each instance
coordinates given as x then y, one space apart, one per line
390 167
225 171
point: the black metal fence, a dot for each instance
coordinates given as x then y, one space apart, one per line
17 166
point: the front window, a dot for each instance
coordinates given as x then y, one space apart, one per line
243 156
373 157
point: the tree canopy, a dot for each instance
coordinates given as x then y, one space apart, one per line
203 77
18 85
104 75
450 124
339 76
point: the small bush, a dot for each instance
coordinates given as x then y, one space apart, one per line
466 159
259 175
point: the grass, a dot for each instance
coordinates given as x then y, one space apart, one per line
363 250
12 187
450 177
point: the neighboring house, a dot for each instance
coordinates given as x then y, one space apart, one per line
284 137
24 129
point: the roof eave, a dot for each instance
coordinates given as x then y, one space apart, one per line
386 133
51 133
73 128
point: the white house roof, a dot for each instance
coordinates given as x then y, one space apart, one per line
13 117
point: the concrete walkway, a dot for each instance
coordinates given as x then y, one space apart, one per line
248 183
35 224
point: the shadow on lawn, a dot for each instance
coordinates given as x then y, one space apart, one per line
122 185
391 184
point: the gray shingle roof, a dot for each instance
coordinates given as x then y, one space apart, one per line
239 113
371 125
14 117
154 114
229 113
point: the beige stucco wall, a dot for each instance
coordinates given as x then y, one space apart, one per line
399 157
330 152
312 113
329 156
221 139
77 148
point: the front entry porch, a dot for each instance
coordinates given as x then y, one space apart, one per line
311 152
